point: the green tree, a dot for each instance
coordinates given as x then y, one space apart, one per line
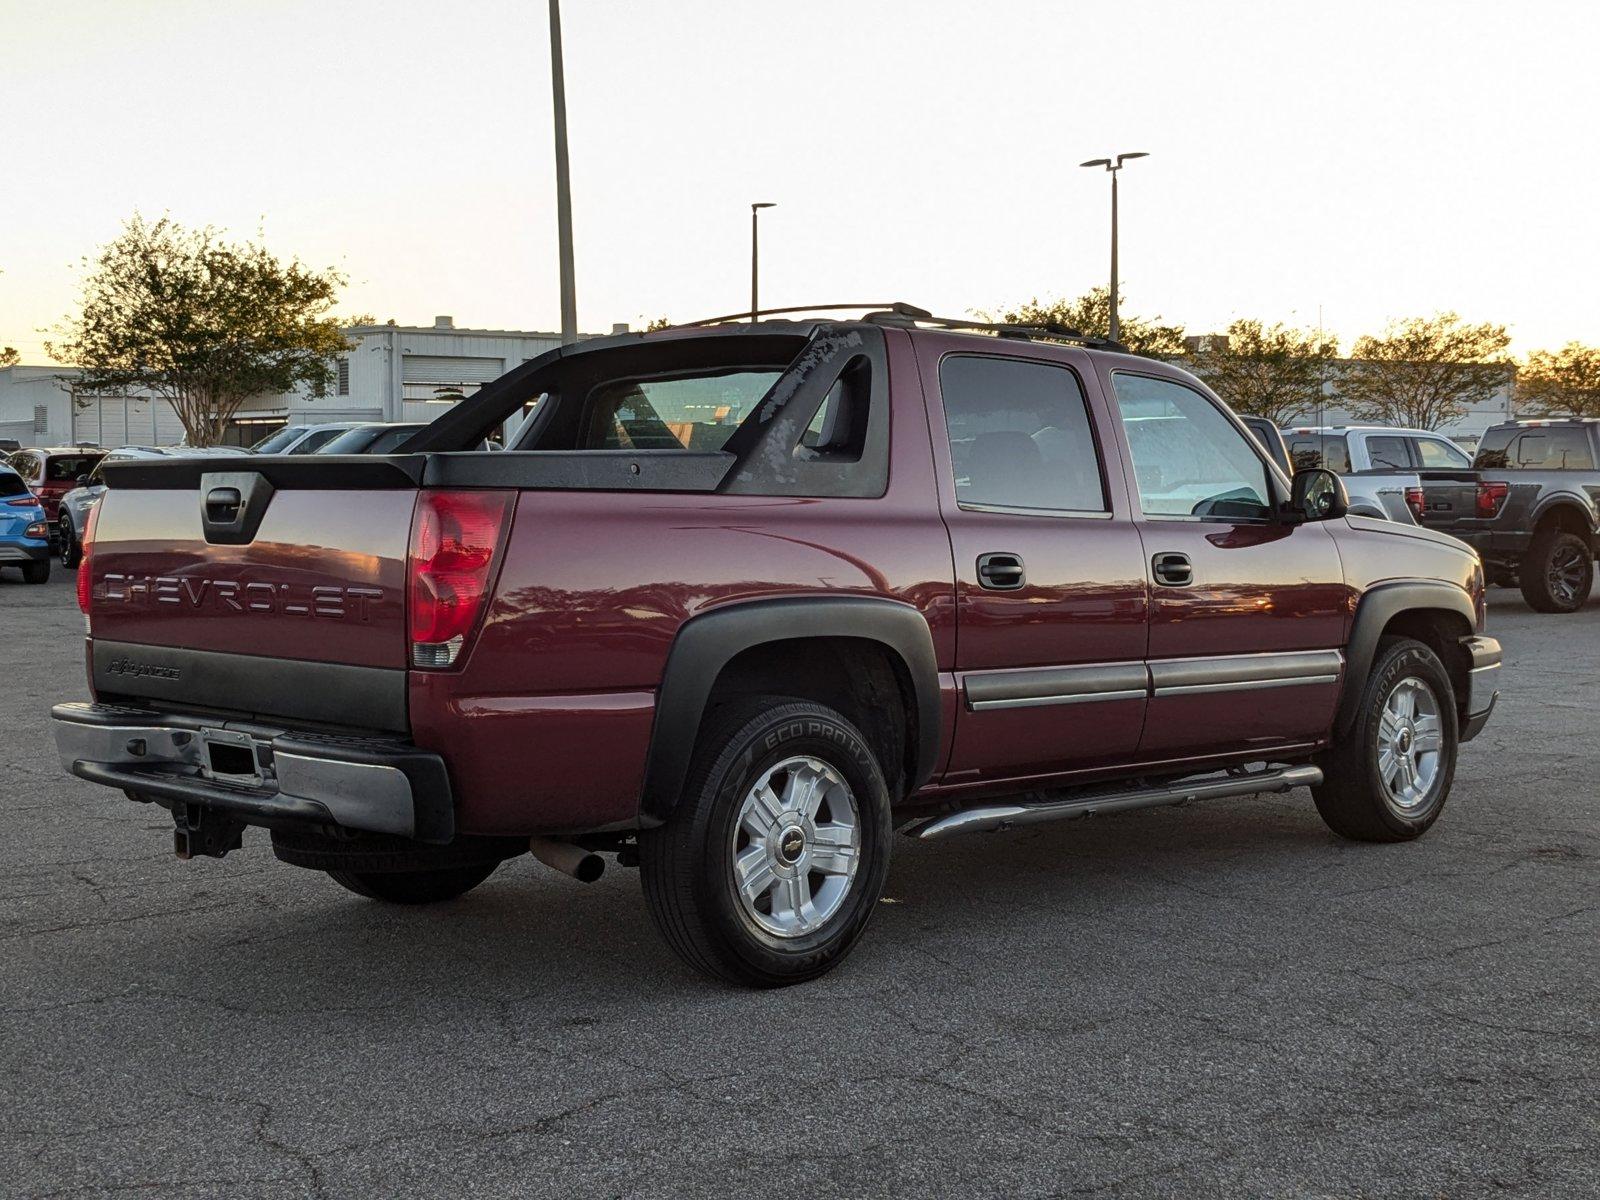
202 322
1561 383
9 356
1090 314
1270 371
1424 372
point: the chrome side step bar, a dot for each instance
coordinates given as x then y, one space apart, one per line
992 817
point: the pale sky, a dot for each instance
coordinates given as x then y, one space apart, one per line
1376 159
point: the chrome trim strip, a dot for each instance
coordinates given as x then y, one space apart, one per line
1239 672
1056 685
1243 685
1041 701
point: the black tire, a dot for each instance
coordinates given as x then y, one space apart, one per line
1353 797
67 545
414 887
36 572
1558 573
687 864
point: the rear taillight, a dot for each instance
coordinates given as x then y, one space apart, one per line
1414 502
23 502
85 575
37 530
455 540
1490 496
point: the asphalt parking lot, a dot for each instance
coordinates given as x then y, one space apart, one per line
1216 1000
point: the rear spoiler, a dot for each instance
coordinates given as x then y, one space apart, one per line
536 470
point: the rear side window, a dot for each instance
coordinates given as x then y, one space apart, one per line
1554 450
11 483
1388 454
1020 436
1328 450
62 468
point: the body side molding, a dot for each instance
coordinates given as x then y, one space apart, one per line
707 642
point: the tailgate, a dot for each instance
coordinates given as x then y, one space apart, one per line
1449 497
271 588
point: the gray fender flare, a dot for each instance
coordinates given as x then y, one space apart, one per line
708 642
1378 606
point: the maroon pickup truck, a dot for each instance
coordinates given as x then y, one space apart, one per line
740 600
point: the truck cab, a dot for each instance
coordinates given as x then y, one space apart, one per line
1379 464
743 598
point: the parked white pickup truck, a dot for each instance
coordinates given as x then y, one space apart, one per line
1379 463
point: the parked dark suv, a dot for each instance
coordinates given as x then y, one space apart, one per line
740 600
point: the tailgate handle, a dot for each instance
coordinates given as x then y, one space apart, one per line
232 504
222 505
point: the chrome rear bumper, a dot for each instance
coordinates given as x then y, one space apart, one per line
259 774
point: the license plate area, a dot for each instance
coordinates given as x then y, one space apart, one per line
227 756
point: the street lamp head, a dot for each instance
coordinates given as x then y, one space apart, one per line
1096 162
1122 158
763 204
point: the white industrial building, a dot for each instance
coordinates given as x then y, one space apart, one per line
392 373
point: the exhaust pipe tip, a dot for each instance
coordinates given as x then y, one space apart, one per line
583 865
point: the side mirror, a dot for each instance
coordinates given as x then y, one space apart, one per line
83 481
1317 494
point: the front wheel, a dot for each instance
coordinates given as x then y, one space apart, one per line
1558 573
773 862
1387 781
415 887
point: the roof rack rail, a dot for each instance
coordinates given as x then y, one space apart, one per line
899 314
894 306
1050 330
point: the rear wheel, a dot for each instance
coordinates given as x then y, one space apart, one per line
36 572
1558 572
414 887
1388 780
67 544
774 860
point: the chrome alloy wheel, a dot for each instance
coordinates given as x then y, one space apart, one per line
1410 744
796 846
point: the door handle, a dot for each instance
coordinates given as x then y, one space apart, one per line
1001 572
1172 569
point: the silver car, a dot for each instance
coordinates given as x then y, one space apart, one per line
73 517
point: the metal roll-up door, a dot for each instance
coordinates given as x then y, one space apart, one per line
429 380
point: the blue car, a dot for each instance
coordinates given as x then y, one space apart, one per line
24 533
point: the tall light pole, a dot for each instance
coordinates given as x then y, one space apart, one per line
558 85
1114 166
755 254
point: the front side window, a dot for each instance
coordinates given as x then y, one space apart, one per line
1388 454
692 413
1020 435
1435 454
1188 458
